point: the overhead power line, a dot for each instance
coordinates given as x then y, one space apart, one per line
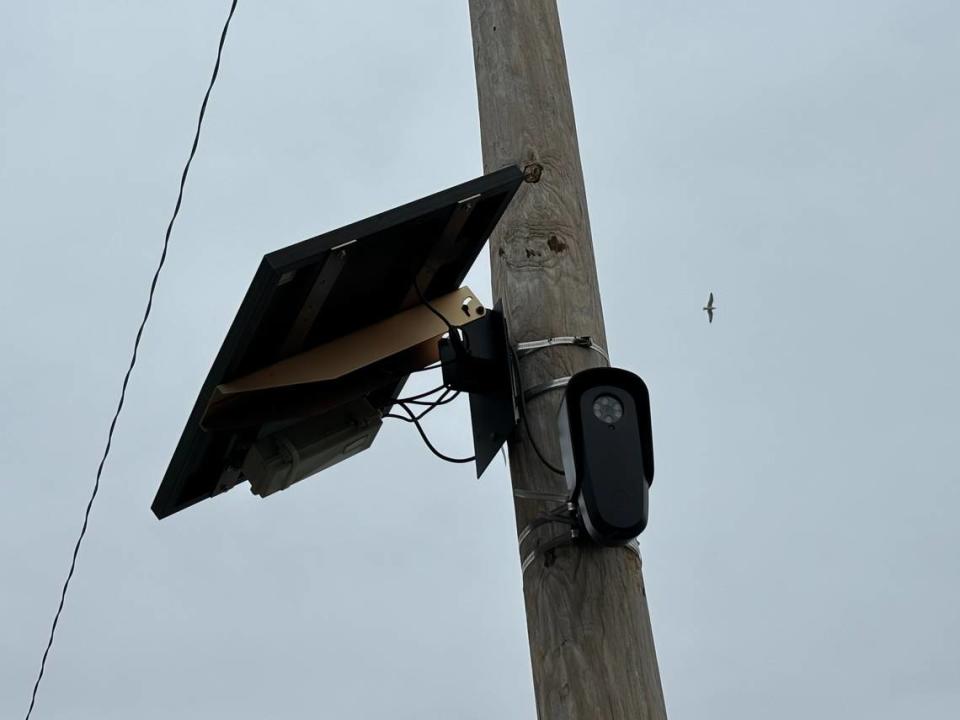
133 358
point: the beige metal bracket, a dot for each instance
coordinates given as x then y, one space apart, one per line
413 332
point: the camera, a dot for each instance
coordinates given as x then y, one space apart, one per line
606 442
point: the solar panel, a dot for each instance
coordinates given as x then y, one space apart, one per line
312 293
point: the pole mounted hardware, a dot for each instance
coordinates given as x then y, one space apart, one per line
584 341
325 339
542 259
606 443
481 367
318 398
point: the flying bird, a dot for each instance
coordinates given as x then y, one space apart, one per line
710 307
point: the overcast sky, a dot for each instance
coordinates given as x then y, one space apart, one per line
800 159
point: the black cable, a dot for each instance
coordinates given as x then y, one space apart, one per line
460 344
416 421
133 359
548 548
523 415
424 394
431 308
536 448
542 520
431 406
443 400
425 369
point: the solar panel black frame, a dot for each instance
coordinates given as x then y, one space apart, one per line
325 287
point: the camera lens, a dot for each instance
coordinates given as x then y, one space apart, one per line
608 409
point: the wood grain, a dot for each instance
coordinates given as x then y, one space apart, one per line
591 642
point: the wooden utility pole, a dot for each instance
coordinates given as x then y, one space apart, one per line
591 643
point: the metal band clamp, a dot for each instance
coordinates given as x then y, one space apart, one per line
584 341
568 538
531 393
526 348
539 496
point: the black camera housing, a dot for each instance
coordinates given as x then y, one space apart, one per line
606 441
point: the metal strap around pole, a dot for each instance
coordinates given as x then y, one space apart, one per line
527 348
567 538
633 546
584 341
539 496
531 393
553 517
531 346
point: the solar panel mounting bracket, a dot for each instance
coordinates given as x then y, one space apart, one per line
409 338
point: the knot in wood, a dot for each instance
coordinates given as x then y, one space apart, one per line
532 173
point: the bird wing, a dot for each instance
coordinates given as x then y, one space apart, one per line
710 300
710 314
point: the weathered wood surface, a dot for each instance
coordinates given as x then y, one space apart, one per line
591 642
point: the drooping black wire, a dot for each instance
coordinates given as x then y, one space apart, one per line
420 396
431 308
523 415
444 399
536 448
459 342
447 396
415 419
133 358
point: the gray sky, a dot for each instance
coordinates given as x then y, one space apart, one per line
800 159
